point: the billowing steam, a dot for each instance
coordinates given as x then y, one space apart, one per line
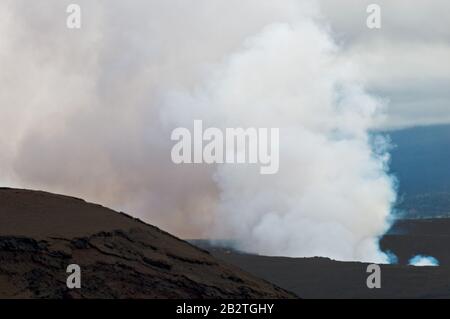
332 196
421 261
89 113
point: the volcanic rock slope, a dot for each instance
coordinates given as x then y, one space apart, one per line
120 257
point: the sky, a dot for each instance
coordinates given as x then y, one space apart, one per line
406 61
88 112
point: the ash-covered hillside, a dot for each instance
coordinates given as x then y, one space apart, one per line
120 257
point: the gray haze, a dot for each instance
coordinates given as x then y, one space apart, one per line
89 112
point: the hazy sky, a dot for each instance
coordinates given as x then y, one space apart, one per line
406 61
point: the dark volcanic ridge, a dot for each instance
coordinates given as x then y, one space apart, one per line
326 278
120 257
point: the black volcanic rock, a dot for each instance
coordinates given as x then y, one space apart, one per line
325 278
120 257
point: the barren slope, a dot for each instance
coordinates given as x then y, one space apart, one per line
120 257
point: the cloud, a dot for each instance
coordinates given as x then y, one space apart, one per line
89 113
405 61
81 108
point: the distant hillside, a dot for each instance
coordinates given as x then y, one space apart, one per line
429 205
421 161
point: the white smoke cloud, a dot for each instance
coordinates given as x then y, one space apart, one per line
89 113
421 261
332 196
